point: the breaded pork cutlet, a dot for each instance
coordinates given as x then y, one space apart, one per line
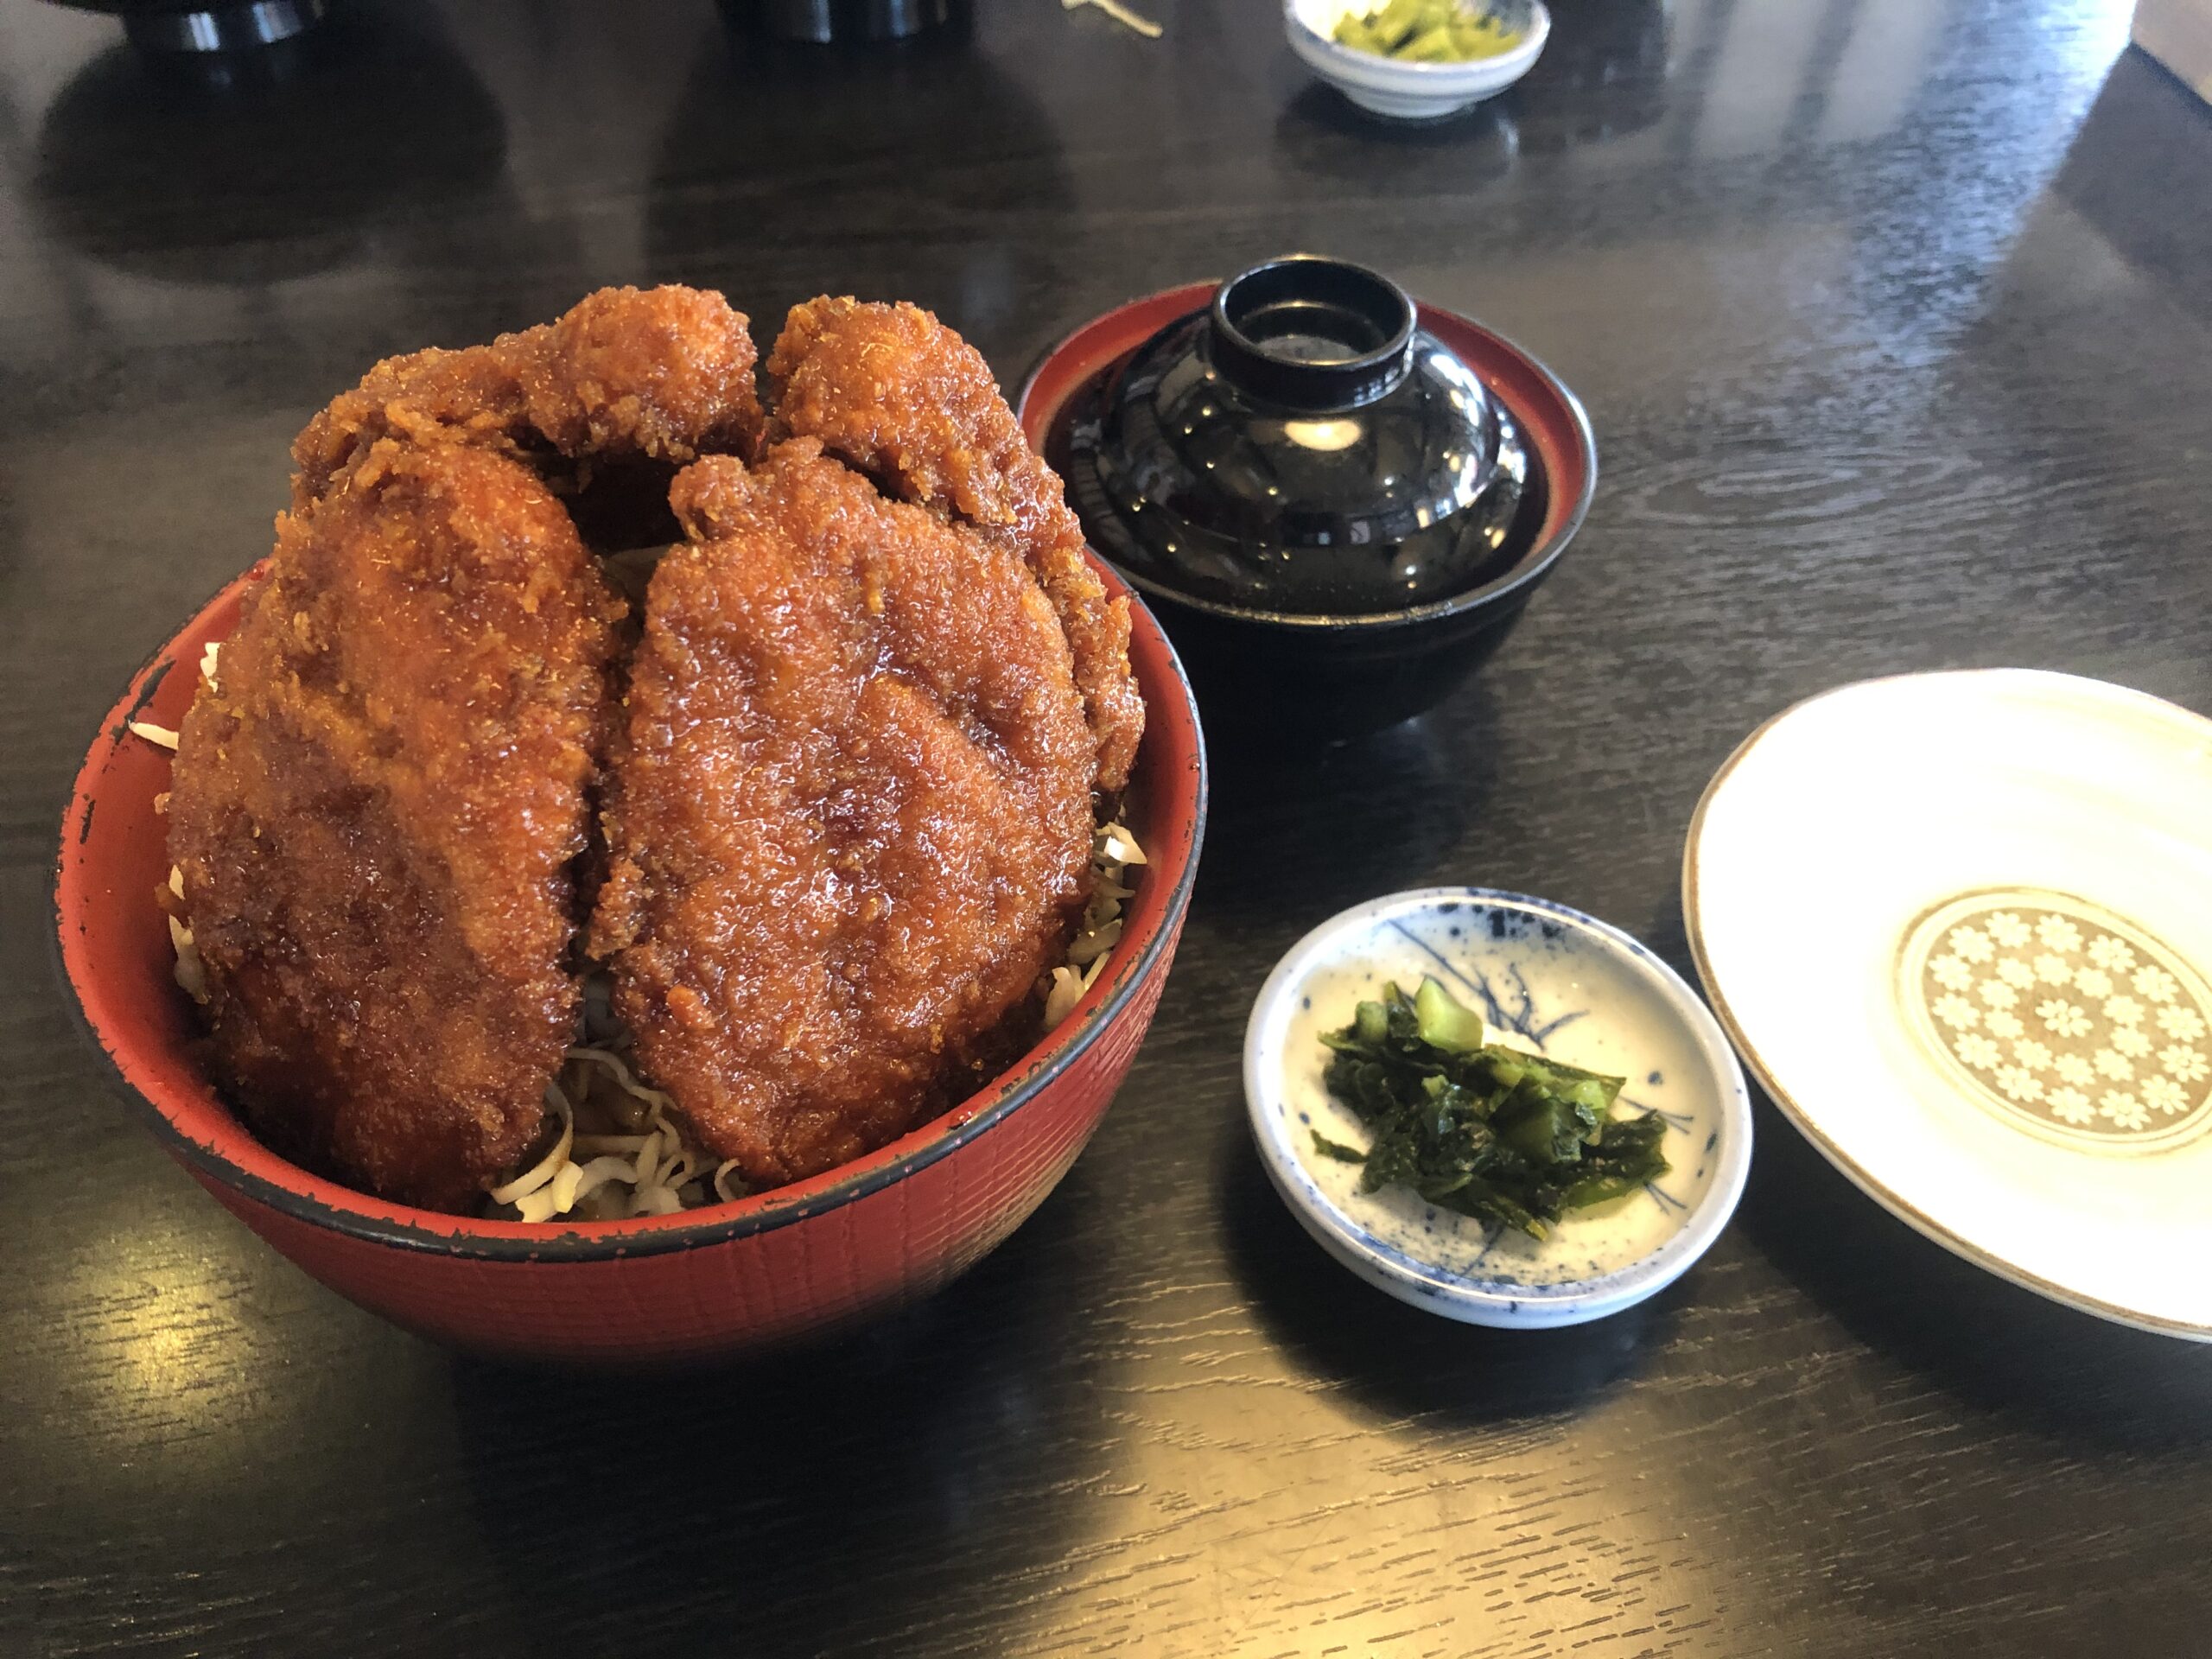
845 795
851 819
375 816
378 814
895 392
663 374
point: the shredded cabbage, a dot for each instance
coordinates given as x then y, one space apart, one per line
162 736
541 1173
189 973
1113 852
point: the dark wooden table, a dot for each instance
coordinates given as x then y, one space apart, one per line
1895 320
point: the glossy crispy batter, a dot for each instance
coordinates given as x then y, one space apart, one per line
851 816
376 816
895 391
848 825
663 374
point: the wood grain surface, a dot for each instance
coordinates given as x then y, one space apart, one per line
1894 318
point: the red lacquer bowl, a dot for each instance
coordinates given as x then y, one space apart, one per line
1268 675
884 1229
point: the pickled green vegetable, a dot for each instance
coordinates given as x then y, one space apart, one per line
1425 31
1480 1128
1443 1022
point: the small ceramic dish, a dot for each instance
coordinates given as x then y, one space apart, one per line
1547 979
1411 92
1960 927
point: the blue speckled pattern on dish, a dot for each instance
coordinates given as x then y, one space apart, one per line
1548 979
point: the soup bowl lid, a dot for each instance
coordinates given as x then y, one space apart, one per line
1301 444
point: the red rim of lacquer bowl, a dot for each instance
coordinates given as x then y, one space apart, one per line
1550 416
147 1048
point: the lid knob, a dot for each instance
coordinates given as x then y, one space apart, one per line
1312 334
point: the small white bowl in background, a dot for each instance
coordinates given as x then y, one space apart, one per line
1549 979
1411 92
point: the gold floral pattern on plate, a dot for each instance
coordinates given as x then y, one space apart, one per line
2066 1020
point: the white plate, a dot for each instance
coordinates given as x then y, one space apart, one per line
1549 979
1958 926
1410 92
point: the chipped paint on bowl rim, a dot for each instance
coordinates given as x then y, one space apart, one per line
1547 978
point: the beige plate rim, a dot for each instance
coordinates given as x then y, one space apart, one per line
1929 1226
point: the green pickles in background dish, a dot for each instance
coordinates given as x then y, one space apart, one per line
1477 1127
1425 31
